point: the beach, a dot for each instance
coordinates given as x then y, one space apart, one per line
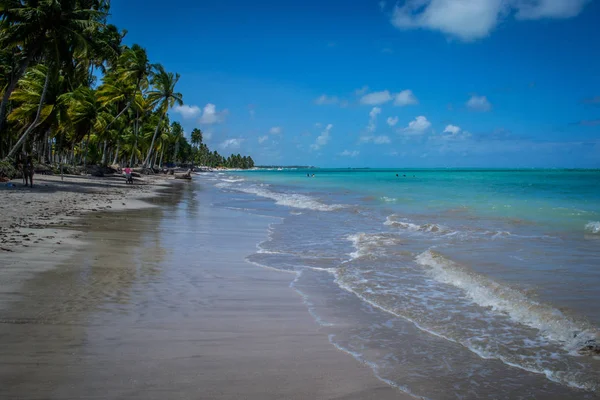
146 294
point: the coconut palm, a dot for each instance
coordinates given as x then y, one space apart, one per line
87 115
196 137
163 96
49 30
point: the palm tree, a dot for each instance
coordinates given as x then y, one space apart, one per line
52 30
196 137
133 69
162 95
26 97
87 115
177 136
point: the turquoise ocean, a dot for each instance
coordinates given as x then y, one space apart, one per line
465 283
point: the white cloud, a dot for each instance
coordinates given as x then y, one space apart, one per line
187 112
363 90
348 153
207 135
418 126
373 119
323 138
527 9
479 103
276 130
210 115
376 98
231 143
391 121
324 100
375 139
262 139
475 19
452 129
405 98
374 112
381 140
381 5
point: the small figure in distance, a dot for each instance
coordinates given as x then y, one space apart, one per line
308 175
128 177
313 175
404 176
396 175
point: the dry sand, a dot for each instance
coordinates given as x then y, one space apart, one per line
160 304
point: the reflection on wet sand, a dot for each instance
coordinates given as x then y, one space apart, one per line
45 329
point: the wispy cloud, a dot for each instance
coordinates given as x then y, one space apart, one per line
326 100
348 153
276 130
375 111
479 103
591 100
363 90
263 139
231 143
392 121
476 19
589 122
403 98
323 138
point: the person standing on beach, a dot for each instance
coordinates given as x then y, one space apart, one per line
128 177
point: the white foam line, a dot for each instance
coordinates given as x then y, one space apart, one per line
546 373
271 268
309 305
375 368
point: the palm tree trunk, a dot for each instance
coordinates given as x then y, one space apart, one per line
11 87
116 152
162 152
155 158
104 152
153 139
73 153
44 146
35 121
175 151
135 135
87 148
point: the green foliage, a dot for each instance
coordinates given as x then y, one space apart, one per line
7 169
52 52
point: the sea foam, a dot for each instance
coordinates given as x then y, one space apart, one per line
294 200
593 227
484 291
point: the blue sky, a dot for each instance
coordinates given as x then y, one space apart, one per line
417 83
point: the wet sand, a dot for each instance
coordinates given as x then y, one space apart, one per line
160 304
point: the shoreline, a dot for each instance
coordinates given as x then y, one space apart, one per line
158 300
